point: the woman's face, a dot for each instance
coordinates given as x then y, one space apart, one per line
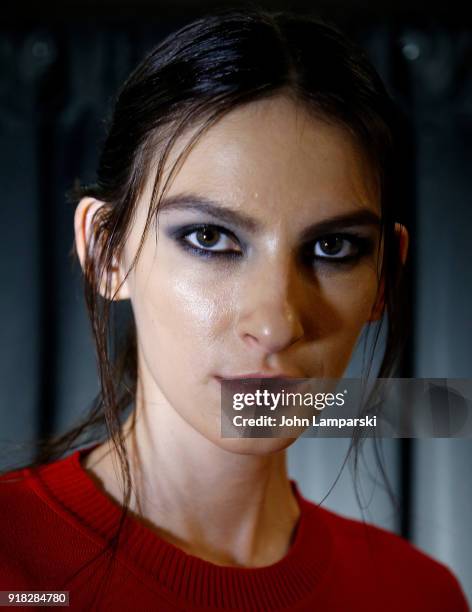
264 260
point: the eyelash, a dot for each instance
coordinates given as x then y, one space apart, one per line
184 232
362 245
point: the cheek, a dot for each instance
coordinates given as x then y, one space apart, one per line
346 306
352 296
179 312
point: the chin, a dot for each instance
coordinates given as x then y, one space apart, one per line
254 446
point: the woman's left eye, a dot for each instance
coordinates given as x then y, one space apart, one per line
336 247
212 239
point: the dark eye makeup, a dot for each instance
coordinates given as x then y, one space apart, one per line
212 241
201 240
338 248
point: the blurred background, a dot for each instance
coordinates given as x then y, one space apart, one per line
60 68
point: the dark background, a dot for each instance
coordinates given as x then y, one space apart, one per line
60 66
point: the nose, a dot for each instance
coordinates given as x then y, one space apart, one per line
270 316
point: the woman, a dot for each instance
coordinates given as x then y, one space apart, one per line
245 204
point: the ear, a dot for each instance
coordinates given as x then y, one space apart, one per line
84 235
403 241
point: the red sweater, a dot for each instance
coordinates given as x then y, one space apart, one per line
54 520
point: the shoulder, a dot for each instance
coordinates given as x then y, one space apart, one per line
19 501
15 492
392 562
24 498
33 533
17 508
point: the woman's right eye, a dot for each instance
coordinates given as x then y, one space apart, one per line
210 239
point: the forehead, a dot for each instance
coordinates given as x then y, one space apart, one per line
273 156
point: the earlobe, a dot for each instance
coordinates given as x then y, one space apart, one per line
84 237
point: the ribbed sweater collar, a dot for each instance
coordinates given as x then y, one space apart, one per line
194 582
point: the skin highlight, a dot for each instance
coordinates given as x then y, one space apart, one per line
267 306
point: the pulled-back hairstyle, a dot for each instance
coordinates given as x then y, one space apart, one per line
193 78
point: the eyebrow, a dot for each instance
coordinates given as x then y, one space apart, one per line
190 201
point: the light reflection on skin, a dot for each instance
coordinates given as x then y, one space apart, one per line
266 309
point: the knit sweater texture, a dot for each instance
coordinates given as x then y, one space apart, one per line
55 521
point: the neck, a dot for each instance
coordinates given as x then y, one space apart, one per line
227 508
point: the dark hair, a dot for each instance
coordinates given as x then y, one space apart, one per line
193 78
